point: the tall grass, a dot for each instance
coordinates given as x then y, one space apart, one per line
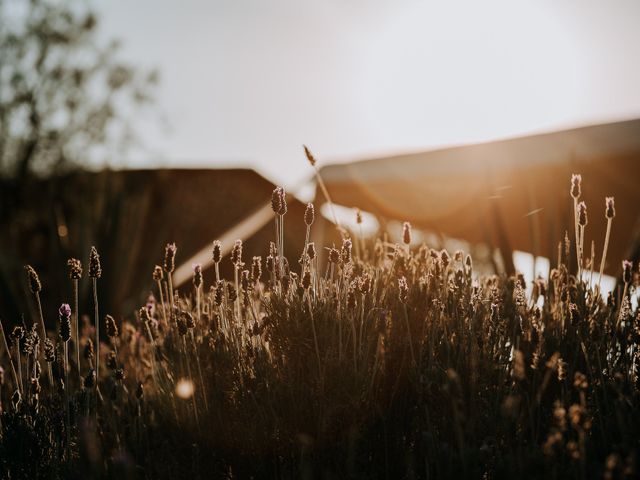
405 365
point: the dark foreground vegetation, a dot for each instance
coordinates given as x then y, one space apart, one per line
383 362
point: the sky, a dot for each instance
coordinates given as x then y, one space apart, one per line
247 82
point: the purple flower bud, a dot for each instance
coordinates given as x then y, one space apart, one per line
64 311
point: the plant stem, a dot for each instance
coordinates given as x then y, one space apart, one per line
77 322
13 367
604 251
97 321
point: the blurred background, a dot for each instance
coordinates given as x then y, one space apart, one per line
127 125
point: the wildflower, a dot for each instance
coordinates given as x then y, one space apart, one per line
217 251
31 341
309 214
334 255
306 280
283 202
188 318
445 258
346 251
197 275
256 269
219 293
610 210
245 281
576 181
580 381
88 349
111 361
95 270
311 250
582 214
64 315
90 379
236 254
403 289
626 271
17 334
406 233
34 282
49 351
170 257
276 200
231 292
181 322
158 275
309 155
110 326
75 268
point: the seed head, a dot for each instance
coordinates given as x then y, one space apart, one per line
182 326
245 281
17 334
88 350
49 351
75 268
158 275
576 181
406 233
236 254
334 255
112 364
256 269
283 202
306 280
110 326
445 258
170 257
90 379
34 282
197 275
626 271
311 250
468 262
95 270
64 315
217 251
276 200
582 214
346 251
403 289
219 294
309 155
188 318
231 292
309 214
610 210
144 314
31 341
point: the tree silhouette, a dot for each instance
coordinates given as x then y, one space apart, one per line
64 97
